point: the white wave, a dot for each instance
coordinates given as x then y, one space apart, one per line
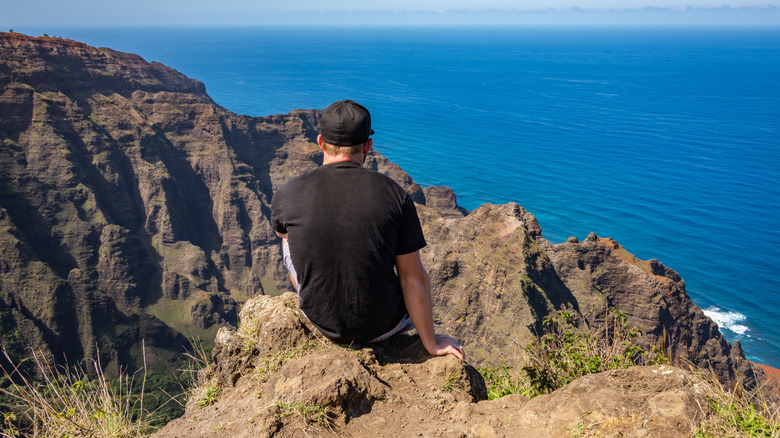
727 319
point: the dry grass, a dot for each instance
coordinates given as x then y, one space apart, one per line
736 413
71 403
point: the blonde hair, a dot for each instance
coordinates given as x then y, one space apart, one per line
332 149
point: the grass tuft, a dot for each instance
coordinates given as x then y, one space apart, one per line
67 402
270 364
737 413
311 413
199 363
209 395
501 381
448 383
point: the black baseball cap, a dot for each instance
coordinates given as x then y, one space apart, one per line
345 123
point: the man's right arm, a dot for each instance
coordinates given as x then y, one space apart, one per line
416 289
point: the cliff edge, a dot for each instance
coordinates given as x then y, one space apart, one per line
276 377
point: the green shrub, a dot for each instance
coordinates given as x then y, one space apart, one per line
499 381
565 352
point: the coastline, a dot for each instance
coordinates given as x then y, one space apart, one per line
557 136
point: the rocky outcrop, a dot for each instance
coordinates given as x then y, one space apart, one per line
602 274
130 202
214 308
495 278
657 401
275 377
280 374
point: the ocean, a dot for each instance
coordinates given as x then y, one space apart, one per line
666 139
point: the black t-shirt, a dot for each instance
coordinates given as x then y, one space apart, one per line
345 225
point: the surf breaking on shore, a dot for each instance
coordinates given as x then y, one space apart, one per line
728 320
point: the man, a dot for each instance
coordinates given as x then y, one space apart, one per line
351 240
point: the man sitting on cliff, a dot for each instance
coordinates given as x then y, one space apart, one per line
351 240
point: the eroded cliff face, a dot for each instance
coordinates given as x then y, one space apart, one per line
132 207
131 203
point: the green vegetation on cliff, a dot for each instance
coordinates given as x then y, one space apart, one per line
566 351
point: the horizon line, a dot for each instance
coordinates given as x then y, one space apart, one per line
725 16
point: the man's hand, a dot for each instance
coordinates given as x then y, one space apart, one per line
447 345
416 289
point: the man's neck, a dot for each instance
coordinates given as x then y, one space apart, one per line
329 159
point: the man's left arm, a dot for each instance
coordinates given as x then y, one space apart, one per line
416 289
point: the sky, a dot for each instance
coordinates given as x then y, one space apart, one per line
19 13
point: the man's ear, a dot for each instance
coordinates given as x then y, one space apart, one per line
367 145
319 141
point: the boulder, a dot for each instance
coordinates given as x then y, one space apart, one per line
656 401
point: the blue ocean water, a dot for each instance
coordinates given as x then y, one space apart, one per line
665 139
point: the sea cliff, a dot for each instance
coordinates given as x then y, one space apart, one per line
134 209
